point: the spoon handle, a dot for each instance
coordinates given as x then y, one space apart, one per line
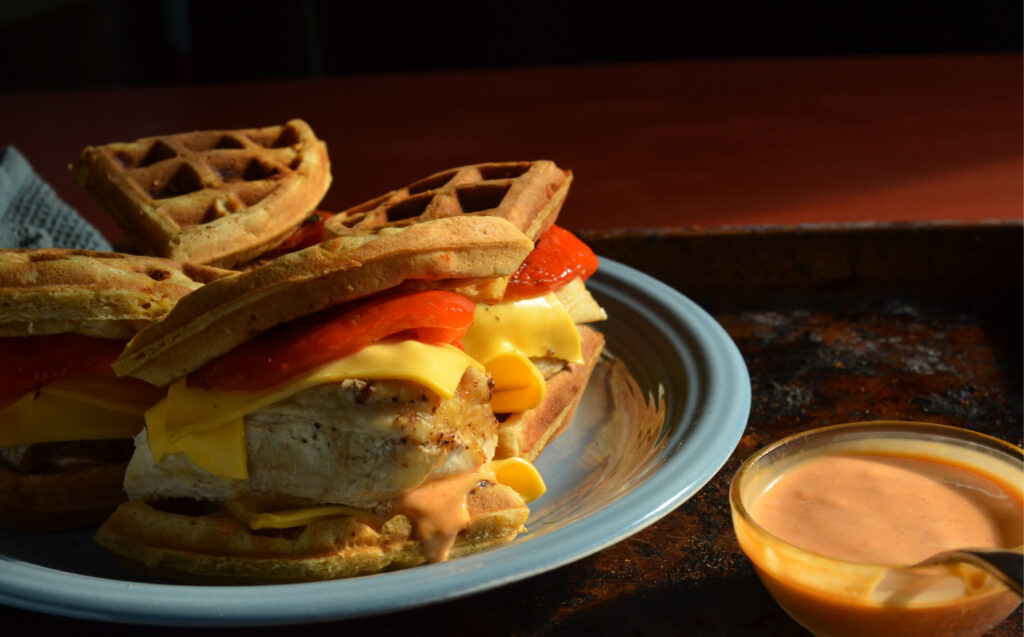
1006 566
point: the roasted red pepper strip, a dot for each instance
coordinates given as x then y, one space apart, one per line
311 232
31 362
558 258
431 316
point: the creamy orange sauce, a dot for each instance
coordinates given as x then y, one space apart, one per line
438 511
888 509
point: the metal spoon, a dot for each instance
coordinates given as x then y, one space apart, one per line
1005 565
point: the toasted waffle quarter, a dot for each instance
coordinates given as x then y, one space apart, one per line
217 197
529 194
102 294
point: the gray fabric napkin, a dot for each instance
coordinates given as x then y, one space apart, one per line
33 216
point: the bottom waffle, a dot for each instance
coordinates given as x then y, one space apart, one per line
196 543
526 434
50 502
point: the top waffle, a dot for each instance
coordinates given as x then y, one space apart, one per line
218 197
225 313
528 194
102 294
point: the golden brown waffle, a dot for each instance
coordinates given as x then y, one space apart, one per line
527 193
224 314
98 294
57 501
102 294
193 545
218 197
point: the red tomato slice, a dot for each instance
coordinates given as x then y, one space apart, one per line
432 316
32 362
310 233
558 258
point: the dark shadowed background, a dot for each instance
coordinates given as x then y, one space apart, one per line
88 43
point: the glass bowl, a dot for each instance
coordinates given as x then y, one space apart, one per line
837 597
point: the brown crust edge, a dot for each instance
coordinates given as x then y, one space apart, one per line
218 549
53 502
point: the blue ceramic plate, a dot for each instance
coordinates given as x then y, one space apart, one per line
663 413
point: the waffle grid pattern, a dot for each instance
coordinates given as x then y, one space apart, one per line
197 178
218 197
528 194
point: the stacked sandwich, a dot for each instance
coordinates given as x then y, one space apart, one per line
370 401
66 421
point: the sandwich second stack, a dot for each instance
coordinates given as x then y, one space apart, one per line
66 421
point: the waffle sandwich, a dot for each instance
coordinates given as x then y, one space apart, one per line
317 420
215 197
317 423
68 421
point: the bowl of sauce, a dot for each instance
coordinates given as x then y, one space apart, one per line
835 520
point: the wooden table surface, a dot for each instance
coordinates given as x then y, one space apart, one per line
679 167
678 144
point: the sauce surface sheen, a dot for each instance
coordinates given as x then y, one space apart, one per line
887 509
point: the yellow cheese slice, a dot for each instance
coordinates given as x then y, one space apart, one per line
515 473
208 426
437 367
288 518
79 408
537 327
518 384
220 451
520 475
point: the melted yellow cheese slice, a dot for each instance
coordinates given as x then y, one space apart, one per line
208 425
515 473
220 451
518 384
78 408
251 514
537 327
520 474
437 367
504 336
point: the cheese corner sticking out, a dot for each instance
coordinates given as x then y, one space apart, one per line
220 451
518 384
537 327
505 336
520 475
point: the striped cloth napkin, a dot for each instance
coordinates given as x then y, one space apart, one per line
33 216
